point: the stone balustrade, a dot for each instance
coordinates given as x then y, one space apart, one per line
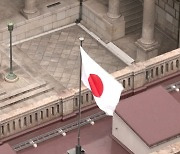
86 98
20 123
133 78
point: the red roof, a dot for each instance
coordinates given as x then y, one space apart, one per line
6 149
94 140
154 115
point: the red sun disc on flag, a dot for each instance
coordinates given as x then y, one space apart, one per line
96 85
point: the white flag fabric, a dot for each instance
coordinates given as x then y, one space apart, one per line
105 89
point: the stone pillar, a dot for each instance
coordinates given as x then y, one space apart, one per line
30 10
147 46
113 9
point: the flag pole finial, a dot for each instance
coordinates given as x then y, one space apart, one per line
81 39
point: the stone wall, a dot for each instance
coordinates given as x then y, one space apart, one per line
167 16
49 20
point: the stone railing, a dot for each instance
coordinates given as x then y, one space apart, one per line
133 78
28 117
144 73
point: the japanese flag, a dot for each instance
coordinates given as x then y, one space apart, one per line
105 89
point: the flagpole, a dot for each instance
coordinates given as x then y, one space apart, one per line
78 146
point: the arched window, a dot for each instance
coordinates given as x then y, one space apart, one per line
47 113
19 121
147 75
57 108
167 67
2 129
25 121
14 126
8 127
157 71
87 98
124 83
177 63
82 100
129 81
162 69
172 65
30 119
92 97
152 73
36 116
52 110
41 114
76 101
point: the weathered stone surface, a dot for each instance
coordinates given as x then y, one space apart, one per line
161 4
170 10
173 149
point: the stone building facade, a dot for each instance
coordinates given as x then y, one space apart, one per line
167 16
108 25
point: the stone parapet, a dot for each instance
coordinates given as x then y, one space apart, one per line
167 16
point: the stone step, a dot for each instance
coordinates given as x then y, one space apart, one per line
133 28
133 11
133 16
129 6
125 2
25 96
2 92
134 21
21 91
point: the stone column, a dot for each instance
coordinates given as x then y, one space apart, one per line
147 45
114 22
30 10
113 9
